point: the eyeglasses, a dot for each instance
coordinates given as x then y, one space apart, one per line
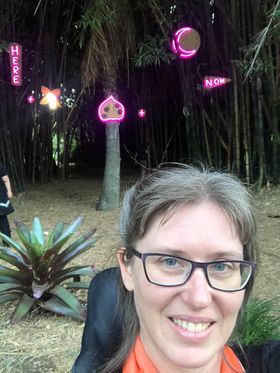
169 270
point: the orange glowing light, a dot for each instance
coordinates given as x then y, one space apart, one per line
50 97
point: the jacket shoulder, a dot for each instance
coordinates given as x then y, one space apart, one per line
263 358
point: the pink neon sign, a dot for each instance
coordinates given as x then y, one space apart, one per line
31 99
141 113
111 110
186 42
15 51
210 82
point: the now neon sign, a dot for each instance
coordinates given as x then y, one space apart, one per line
214 81
15 51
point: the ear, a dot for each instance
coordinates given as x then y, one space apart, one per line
126 270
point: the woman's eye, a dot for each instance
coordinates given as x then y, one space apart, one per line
221 267
170 262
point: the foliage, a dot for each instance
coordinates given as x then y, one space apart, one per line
103 31
258 323
152 51
34 269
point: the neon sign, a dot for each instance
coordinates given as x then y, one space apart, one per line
141 113
15 51
31 99
111 110
186 42
210 82
50 97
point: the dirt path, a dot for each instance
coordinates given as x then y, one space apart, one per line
48 343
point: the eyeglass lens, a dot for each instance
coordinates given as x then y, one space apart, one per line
172 271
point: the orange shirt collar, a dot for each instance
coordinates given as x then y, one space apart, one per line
139 362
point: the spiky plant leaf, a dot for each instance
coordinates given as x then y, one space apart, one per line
77 285
54 235
21 276
12 258
9 297
37 275
38 231
68 298
9 279
57 306
20 249
35 244
64 274
10 286
55 248
22 308
25 237
70 229
62 259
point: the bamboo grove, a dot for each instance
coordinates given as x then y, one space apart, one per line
235 127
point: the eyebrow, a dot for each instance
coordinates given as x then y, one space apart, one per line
234 255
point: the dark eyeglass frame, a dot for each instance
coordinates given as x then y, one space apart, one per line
203 265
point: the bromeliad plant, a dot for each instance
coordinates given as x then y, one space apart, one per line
32 271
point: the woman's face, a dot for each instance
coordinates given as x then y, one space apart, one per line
186 327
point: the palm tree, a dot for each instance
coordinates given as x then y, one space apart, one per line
111 40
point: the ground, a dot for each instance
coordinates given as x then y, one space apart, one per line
44 342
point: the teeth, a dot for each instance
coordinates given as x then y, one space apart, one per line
190 326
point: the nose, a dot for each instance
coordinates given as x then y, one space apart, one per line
196 292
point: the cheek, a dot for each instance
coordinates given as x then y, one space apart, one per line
231 305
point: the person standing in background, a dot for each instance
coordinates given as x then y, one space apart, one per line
6 207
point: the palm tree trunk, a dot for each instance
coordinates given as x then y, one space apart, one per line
110 193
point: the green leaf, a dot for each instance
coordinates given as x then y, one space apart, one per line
77 285
9 297
22 230
8 256
62 259
9 279
56 247
20 275
23 307
67 297
25 237
38 231
71 228
10 286
21 250
55 234
57 306
79 241
64 274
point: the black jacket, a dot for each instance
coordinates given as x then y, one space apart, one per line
102 332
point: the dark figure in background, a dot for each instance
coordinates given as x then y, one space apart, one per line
6 207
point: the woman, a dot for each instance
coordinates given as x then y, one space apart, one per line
187 265
6 207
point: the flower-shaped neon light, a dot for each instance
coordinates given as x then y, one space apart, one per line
50 97
111 110
186 42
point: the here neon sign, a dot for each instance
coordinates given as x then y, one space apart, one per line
15 51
